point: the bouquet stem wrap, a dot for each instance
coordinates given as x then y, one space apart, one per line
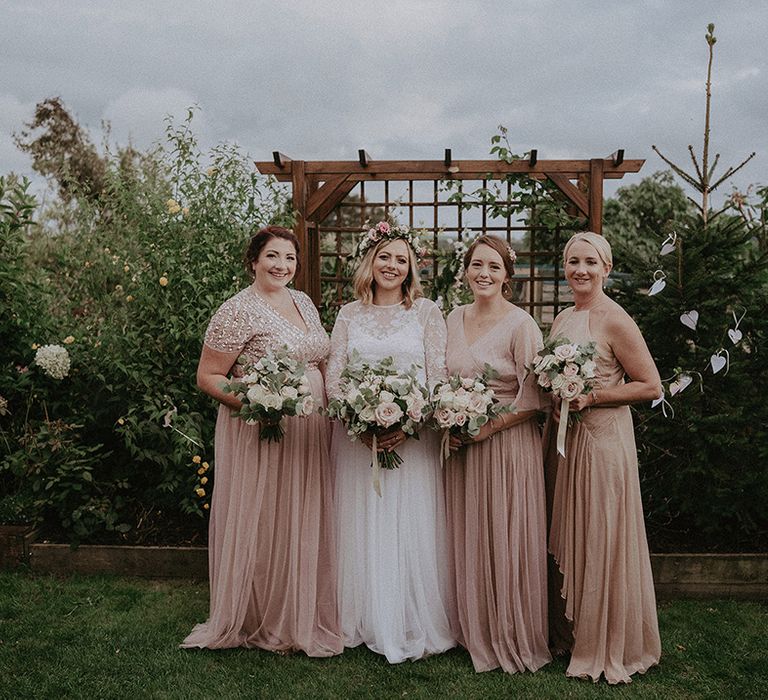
565 405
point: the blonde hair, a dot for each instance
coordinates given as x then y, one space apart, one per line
597 241
364 284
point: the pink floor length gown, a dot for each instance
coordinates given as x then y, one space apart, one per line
597 533
271 545
496 507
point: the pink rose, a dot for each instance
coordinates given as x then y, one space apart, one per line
477 403
444 417
388 413
544 381
460 419
566 352
571 388
570 370
416 409
383 227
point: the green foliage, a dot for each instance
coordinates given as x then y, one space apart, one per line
639 214
132 279
701 468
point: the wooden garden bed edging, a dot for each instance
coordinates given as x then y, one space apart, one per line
743 576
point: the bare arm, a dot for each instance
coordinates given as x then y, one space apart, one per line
212 371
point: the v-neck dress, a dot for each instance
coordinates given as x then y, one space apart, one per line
496 507
272 554
597 533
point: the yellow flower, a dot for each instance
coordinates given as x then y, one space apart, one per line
121 421
119 288
185 211
87 263
205 466
204 481
129 298
197 459
106 250
69 340
206 506
126 268
35 346
211 171
163 281
201 471
200 492
173 206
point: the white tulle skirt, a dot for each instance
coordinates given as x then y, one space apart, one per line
394 583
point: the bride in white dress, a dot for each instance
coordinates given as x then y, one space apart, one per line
394 582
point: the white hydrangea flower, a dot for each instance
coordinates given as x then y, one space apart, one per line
53 360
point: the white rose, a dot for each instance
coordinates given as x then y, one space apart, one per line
289 392
307 405
570 370
256 394
544 381
368 415
543 363
386 397
588 369
477 403
272 401
557 382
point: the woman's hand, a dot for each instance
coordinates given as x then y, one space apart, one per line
388 441
458 441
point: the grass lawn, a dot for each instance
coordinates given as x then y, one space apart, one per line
103 637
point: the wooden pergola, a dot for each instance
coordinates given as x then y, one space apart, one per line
319 187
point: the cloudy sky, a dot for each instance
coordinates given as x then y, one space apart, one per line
318 79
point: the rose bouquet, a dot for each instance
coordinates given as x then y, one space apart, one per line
566 370
270 388
463 405
379 398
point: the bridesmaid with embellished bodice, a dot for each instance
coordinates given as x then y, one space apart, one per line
272 565
603 606
393 586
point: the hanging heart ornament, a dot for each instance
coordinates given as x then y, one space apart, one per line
735 335
658 283
718 362
690 319
680 384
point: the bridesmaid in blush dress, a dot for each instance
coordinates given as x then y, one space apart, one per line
272 563
495 484
597 533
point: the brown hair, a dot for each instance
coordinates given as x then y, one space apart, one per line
364 284
262 237
502 248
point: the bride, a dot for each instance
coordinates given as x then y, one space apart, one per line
393 579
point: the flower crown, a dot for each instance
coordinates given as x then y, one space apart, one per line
383 231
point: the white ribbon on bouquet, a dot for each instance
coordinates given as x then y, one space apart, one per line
563 426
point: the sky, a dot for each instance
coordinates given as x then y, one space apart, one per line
320 79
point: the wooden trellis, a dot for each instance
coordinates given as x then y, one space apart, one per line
325 192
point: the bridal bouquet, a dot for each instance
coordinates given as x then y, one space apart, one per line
565 369
380 398
463 405
273 387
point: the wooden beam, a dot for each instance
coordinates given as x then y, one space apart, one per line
436 169
331 193
570 191
596 166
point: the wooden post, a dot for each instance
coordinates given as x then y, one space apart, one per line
596 195
299 182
